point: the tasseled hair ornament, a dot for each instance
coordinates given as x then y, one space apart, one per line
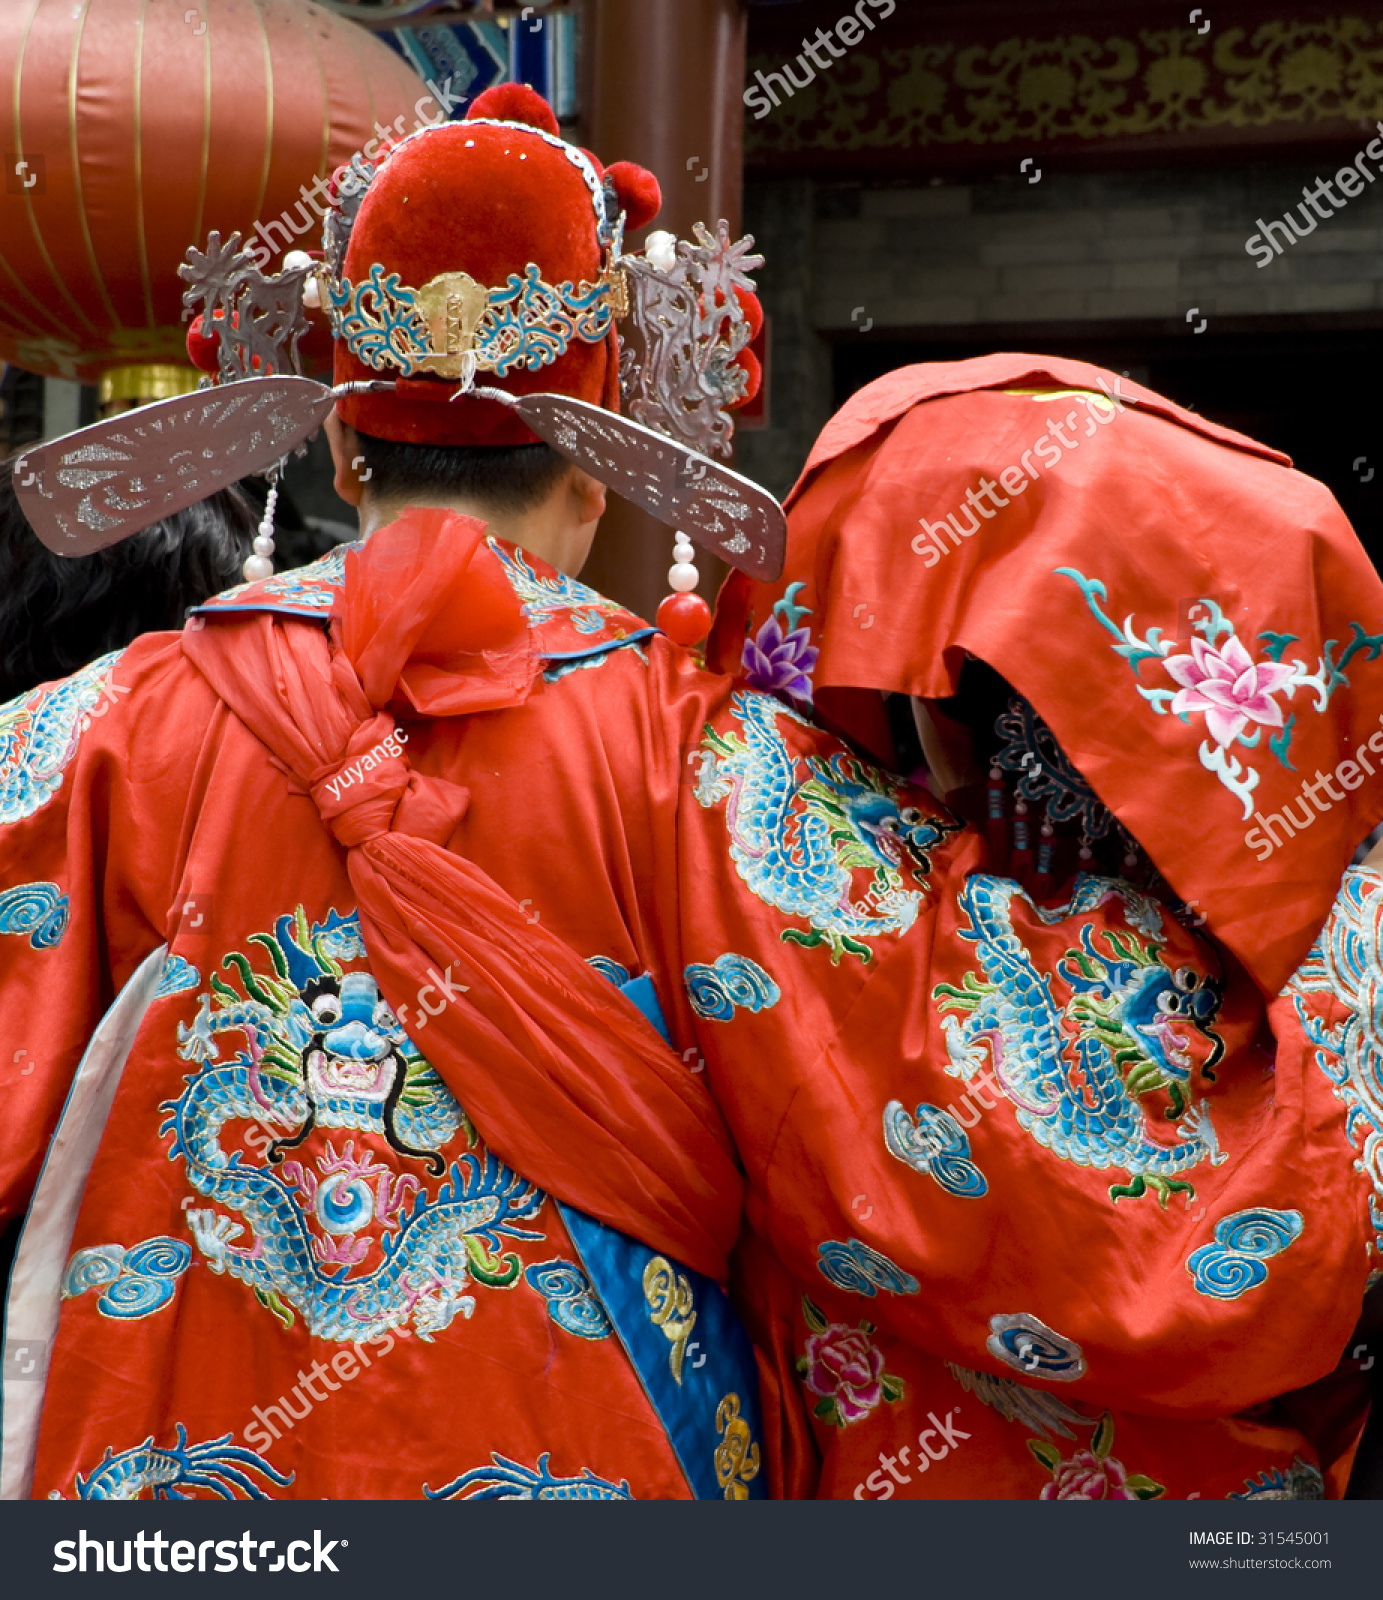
1043 884
1020 862
996 821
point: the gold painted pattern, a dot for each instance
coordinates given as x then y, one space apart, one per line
737 1457
670 1306
1169 81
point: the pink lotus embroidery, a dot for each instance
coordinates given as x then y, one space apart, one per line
1229 686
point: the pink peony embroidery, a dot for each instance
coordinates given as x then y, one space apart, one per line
1229 686
1086 1477
843 1364
1092 1474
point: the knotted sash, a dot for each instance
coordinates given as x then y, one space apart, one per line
565 1081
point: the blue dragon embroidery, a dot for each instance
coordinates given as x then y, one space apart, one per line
39 734
217 1466
1086 1076
508 1480
800 828
1343 966
544 598
323 1050
1301 1481
313 587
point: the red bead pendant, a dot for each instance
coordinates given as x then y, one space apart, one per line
685 618
202 346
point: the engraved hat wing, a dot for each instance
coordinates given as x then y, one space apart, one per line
724 512
103 483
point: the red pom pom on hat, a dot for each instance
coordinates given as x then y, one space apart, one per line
202 346
752 366
638 191
753 311
515 102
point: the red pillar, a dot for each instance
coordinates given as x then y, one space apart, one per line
662 82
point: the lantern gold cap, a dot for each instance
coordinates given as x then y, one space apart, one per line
146 382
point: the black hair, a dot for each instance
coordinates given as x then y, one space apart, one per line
59 612
497 478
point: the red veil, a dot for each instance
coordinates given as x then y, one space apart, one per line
1148 525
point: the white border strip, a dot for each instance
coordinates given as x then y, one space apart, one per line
35 1297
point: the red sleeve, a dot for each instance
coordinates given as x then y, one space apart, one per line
94 778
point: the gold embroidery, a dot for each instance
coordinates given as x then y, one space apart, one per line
737 1457
669 1299
1170 80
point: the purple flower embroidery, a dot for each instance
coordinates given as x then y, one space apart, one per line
1228 686
780 658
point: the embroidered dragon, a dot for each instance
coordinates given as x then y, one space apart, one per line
40 731
800 827
217 1466
1090 1075
324 1050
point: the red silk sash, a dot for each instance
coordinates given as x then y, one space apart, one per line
565 1081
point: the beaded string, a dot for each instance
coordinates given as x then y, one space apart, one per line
261 564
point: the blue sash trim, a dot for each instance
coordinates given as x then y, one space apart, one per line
321 613
600 650
711 1416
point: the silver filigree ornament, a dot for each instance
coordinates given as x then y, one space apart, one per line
260 320
103 483
724 512
692 328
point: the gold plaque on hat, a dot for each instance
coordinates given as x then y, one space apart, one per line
452 305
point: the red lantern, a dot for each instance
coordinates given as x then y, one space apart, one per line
130 131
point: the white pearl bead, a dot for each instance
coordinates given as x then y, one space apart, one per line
264 546
256 567
683 577
660 251
683 552
312 295
296 260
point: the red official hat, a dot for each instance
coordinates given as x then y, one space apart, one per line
489 254
484 246
490 247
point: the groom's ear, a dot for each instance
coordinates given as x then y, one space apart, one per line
344 443
589 496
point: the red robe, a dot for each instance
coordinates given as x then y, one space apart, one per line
333 1106
1180 1167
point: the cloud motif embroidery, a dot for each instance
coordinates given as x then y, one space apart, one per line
178 975
137 1282
571 1301
935 1144
730 981
1025 1343
38 909
1243 1242
857 1269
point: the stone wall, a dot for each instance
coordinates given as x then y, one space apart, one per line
1135 246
